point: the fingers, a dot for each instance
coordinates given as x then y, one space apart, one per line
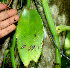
7 30
8 22
8 13
2 6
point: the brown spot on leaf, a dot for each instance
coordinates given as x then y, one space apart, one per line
29 47
34 35
41 45
33 47
23 46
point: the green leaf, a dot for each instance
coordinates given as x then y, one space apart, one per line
29 36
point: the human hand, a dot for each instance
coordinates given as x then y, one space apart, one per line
7 20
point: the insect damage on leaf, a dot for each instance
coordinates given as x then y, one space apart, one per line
29 47
23 46
33 47
41 45
29 31
34 35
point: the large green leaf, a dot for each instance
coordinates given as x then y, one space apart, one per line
29 36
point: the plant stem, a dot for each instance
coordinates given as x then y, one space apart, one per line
53 31
5 54
12 50
28 3
62 28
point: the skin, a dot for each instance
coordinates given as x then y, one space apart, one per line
7 20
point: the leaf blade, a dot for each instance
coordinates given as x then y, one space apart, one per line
29 36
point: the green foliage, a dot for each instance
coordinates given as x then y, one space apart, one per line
62 28
65 62
29 36
67 44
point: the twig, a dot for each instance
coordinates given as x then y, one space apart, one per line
21 3
8 4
